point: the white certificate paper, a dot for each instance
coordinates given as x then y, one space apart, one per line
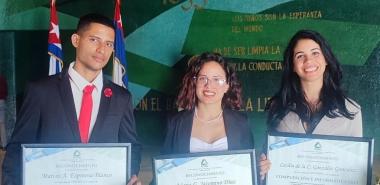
80 164
319 161
221 169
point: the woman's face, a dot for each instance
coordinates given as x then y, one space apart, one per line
309 61
211 83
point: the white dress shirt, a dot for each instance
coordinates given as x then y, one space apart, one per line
78 83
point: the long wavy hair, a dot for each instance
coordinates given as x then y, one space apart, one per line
187 96
291 96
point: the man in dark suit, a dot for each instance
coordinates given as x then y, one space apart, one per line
53 108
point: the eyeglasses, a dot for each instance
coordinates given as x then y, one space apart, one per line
203 80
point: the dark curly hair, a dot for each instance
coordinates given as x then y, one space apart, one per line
291 97
187 97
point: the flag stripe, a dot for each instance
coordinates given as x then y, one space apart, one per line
54 43
120 62
55 50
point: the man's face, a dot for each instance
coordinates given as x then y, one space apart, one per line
94 46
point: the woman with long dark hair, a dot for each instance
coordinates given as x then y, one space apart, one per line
310 99
210 97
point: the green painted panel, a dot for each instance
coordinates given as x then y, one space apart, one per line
364 12
16 6
150 74
264 37
36 19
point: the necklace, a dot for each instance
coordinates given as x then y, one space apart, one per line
207 121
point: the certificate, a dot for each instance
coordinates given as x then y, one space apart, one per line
298 159
80 164
211 168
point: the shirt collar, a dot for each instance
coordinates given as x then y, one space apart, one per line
80 82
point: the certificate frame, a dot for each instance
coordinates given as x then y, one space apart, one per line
183 158
290 140
55 152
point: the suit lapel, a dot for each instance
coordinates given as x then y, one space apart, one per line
232 135
103 109
68 103
184 144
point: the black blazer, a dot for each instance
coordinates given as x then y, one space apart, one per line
179 126
48 116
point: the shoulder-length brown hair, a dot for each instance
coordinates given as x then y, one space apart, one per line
187 97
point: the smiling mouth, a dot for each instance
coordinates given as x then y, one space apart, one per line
209 93
311 69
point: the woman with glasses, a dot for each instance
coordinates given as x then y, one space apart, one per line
210 97
310 99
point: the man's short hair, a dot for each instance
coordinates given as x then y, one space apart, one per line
87 19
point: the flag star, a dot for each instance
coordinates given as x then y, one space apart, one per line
55 29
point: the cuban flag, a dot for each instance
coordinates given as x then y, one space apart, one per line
119 75
54 43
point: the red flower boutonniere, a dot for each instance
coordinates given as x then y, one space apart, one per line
107 92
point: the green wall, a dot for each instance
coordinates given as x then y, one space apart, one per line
252 34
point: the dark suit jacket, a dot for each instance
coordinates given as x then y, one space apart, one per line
238 131
48 116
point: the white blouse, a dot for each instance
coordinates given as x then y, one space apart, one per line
198 145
